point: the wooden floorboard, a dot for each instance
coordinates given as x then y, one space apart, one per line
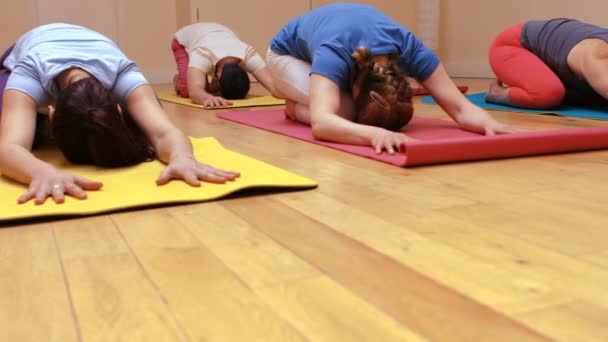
512 250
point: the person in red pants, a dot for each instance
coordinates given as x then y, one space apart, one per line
213 65
542 64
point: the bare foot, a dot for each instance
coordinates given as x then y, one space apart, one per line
498 93
290 109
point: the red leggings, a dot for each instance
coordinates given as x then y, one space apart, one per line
532 83
182 60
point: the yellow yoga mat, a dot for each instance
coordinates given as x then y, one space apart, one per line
250 101
135 186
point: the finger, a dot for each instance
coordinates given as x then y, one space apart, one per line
87 184
211 177
490 132
28 195
165 177
378 148
41 195
221 174
191 177
228 174
75 191
389 149
57 194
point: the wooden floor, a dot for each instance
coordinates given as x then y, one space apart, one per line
505 250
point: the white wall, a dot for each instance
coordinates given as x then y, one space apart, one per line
469 26
142 28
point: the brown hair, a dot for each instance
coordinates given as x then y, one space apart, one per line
234 83
385 99
89 128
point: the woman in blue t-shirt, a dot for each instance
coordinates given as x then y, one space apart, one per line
342 69
101 109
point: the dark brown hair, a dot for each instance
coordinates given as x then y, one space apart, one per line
385 98
89 128
234 83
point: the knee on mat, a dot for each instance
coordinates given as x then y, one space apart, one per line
548 97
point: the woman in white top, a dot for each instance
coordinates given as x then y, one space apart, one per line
210 49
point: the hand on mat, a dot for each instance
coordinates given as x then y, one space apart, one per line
216 101
56 185
494 127
192 172
391 142
479 121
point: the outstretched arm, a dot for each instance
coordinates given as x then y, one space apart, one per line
172 146
327 124
17 162
459 108
265 78
197 87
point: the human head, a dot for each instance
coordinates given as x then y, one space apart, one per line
383 96
234 81
89 126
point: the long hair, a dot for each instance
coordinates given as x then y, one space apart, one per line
385 99
89 128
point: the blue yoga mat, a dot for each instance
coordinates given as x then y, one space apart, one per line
600 113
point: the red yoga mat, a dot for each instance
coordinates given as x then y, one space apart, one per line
440 141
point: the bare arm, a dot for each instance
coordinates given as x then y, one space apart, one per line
171 145
17 130
197 85
265 78
458 107
328 125
168 141
17 162
596 73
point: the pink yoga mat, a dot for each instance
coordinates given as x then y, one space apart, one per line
440 141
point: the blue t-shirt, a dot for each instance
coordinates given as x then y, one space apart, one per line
327 36
45 52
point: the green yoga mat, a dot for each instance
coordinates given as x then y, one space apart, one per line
600 113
